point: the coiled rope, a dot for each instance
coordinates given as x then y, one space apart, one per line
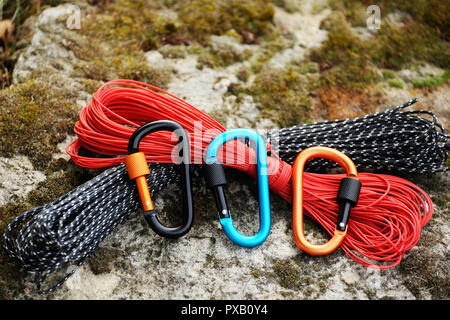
389 140
66 231
386 223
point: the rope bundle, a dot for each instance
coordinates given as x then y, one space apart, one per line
67 230
389 140
385 224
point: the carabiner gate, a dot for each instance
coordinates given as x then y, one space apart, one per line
215 180
347 198
137 168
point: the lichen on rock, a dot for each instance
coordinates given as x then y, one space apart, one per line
34 118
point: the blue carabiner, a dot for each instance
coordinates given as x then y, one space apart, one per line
215 180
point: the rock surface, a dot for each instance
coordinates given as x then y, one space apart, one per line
18 178
204 264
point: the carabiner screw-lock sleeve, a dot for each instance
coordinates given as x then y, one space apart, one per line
347 198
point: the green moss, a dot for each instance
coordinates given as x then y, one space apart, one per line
432 13
102 259
93 70
395 83
34 118
424 270
288 273
443 199
114 43
139 24
256 273
141 28
322 287
281 94
173 52
59 182
428 82
137 68
101 60
345 59
91 85
286 294
354 10
213 262
397 48
133 21
388 74
371 294
290 6
217 17
10 211
291 275
270 45
222 57
432 82
307 67
243 74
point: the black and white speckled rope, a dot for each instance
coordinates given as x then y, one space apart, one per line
389 140
66 231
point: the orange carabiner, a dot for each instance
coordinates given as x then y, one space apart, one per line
348 195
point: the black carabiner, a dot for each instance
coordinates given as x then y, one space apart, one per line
137 168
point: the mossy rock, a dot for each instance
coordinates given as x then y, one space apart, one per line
217 17
426 271
343 57
224 57
288 273
34 118
136 22
346 59
102 259
11 278
62 177
281 94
